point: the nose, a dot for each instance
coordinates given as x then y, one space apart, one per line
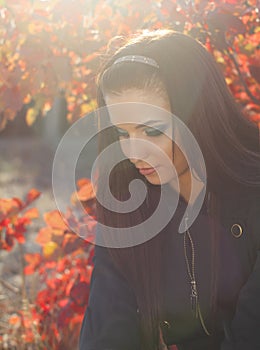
134 160
135 149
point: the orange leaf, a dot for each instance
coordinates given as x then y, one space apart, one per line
55 220
14 320
44 236
86 192
82 182
7 205
31 213
32 258
57 232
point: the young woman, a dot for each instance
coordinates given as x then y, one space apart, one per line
200 288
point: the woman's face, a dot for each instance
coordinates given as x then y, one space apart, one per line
135 122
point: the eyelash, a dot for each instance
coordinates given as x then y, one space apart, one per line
153 131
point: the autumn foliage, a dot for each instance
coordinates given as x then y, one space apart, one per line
54 48
64 267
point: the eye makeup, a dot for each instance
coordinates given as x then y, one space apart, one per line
159 130
149 131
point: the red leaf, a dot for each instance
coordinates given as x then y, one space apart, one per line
255 118
20 237
79 293
18 202
63 302
33 261
65 316
32 195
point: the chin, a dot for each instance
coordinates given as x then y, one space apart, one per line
156 181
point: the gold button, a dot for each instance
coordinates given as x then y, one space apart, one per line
167 324
236 230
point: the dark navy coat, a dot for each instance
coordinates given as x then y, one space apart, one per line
111 320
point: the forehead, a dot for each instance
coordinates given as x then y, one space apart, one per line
137 106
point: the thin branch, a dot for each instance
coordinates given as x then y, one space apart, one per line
9 286
4 325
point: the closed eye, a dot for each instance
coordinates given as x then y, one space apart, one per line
152 132
159 130
121 132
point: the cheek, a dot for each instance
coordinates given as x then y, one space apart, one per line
145 149
167 148
179 157
170 150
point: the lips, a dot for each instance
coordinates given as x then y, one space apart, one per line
146 171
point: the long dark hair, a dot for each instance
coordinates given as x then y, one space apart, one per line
199 96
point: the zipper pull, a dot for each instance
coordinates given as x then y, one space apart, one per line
194 298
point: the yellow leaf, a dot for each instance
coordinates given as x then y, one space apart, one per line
220 59
85 108
49 249
228 80
249 47
31 116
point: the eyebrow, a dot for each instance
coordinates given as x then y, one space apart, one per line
147 123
